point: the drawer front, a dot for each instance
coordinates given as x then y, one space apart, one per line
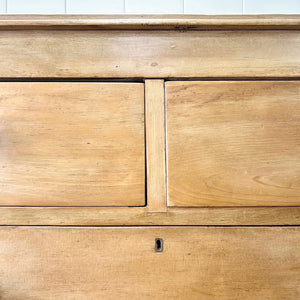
72 144
121 263
233 143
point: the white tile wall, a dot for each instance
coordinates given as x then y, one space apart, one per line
150 6
95 7
154 7
35 6
213 7
272 7
2 6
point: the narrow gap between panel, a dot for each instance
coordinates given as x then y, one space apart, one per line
233 79
129 226
71 206
166 144
134 206
71 79
142 79
145 147
179 28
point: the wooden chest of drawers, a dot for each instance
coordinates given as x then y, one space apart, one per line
149 157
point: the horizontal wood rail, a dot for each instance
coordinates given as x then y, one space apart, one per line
150 22
139 216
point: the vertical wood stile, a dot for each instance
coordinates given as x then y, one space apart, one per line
155 145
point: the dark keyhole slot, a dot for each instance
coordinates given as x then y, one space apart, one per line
159 245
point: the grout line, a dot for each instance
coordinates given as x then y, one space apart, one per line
243 7
183 6
124 7
5 6
66 6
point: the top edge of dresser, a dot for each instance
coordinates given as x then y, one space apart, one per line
150 22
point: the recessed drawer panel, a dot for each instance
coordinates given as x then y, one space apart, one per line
233 143
72 144
121 263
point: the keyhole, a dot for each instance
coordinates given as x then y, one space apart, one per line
159 245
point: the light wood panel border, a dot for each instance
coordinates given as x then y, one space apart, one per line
139 216
155 143
146 22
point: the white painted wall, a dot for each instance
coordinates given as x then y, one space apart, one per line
149 6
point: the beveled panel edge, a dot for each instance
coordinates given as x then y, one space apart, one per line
139 216
149 22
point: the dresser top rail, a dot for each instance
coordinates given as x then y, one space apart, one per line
150 22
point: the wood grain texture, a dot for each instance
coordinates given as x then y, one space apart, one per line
233 143
146 22
120 263
72 144
149 54
120 216
155 142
